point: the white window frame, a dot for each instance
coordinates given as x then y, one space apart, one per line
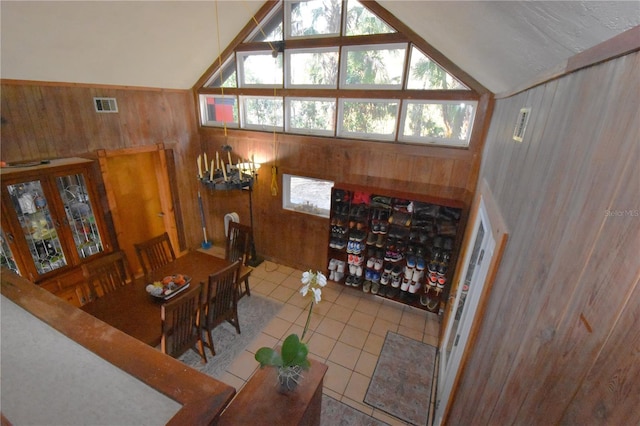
341 132
287 204
240 71
430 139
318 132
242 112
287 68
344 52
204 117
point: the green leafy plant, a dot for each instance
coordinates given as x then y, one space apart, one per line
294 351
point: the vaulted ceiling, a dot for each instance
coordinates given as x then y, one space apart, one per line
170 44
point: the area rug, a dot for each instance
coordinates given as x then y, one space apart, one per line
401 383
254 312
336 413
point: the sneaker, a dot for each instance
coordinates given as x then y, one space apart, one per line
405 284
366 287
371 239
340 267
378 265
332 264
420 263
368 274
414 287
332 275
408 272
371 262
395 282
411 261
375 287
385 278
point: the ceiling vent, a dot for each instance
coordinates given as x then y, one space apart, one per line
105 104
521 124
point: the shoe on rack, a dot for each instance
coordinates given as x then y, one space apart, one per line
366 287
375 287
405 284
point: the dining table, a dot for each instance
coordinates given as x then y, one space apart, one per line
133 310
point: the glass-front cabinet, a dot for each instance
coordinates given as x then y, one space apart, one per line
52 218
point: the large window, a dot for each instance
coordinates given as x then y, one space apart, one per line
311 67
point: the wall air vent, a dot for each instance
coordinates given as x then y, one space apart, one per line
105 104
521 124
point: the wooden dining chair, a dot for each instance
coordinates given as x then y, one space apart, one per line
181 328
237 248
222 301
104 275
155 253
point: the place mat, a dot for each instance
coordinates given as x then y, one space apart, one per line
402 381
335 413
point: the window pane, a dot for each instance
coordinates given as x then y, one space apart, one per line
369 119
226 75
270 29
313 67
260 69
379 67
219 110
314 17
438 122
306 195
261 112
312 116
424 74
360 21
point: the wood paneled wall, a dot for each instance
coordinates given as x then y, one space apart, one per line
301 240
51 120
560 343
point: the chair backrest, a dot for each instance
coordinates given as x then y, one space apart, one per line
104 275
154 253
238 240
222 295
180 327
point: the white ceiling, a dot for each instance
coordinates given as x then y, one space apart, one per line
170 44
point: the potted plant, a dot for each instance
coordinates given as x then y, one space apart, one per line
292 358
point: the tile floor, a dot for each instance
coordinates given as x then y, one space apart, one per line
346 332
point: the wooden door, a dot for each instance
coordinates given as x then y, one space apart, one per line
137 186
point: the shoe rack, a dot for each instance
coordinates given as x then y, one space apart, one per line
398 246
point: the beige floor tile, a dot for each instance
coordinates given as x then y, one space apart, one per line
337 377
344 355
412 333
369 305
292 282
430 340
322 308
366 364
299 301
432 327
390 311
289 271
354 336
263 269
282 293
381 326
263 287
361 320
333 394
321 345
348 298
339 313
413 320
233 380
313 322
374 343
277 327
260 341
297 329
330 328
244 365
331 292
289 312
276 277
357 387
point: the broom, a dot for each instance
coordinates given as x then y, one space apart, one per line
205 242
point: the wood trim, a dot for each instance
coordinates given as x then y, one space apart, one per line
500 234
620 45
15 82
202 397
